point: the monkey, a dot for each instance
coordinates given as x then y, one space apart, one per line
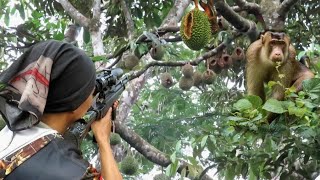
272 58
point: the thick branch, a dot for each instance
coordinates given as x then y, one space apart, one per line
241 24
252 8
96 9
285 7
159 32
176 12
142 146
71 34
74 13
127 15
147 150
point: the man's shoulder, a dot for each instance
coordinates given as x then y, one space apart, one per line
58 160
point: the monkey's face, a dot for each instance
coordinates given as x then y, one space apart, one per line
278 49
277 45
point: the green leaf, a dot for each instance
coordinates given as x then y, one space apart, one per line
275 106
299 112
178 146
244 170
235 118
98 58
173 157
256 101
7 18
270 145
86 36
308 133
172 169
229 130
252 175
36 14
13 10
230 173
21 10
242 104
312 86
302 53
204 141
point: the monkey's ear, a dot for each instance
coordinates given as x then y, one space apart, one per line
262 39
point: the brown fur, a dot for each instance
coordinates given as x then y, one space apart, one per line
261 67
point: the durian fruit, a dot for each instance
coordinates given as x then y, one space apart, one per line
225 61
223 23
157 52
213 64
238 55
238 59
121 64
166 80
197 78
209 76
161 177
195 29
185 83
187 70
129 165
115 139
130 61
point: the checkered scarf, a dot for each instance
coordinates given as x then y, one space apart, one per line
49 77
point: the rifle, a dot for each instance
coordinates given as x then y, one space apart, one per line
109 86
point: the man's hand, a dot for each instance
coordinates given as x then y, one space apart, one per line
102 128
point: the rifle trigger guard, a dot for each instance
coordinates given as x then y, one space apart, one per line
99 114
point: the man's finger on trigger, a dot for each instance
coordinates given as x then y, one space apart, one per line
109 111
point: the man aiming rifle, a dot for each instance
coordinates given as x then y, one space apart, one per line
44 92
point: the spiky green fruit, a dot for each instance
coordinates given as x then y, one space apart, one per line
197 78
208 76
115 139
187 70
185 83
195 29
166 80
157 52
130 61
129 165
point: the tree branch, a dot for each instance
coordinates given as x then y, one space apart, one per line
74 13
147 150
142 146
181 63
252 8
241 24
127 15
96 12
285 7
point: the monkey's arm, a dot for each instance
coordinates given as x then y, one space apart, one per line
304 74
255 74
255 84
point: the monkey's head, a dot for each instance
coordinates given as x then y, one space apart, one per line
275 46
